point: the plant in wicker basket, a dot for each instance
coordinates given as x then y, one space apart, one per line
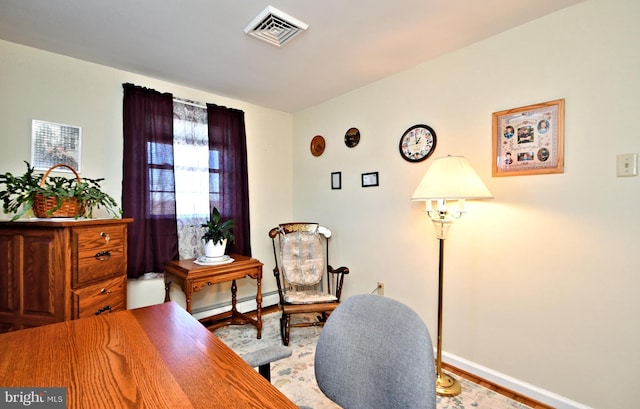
54 196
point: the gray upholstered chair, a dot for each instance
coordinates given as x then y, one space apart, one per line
375 352
263 357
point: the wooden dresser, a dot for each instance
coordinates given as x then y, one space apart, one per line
61 269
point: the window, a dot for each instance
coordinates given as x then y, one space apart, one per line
180 159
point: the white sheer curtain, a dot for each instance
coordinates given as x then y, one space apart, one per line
191 163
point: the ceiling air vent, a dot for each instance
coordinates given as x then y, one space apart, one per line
275 26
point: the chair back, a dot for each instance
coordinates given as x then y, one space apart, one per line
375 352
301 252
303 255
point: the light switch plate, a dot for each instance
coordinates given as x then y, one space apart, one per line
627 165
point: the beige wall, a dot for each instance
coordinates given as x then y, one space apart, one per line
541 281
41 85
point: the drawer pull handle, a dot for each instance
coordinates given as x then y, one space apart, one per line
105 291
106 308
105 236
103 255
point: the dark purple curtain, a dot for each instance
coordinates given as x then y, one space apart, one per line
227 136
148 187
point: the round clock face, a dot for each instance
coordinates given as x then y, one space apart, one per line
417 143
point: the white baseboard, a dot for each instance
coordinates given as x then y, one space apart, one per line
528 390
243 305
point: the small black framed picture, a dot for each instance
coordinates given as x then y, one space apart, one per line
336 180
370 179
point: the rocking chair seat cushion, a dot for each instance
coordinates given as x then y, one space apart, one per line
308 297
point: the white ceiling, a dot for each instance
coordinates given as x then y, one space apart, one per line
201 43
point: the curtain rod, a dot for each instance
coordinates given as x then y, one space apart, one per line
195 104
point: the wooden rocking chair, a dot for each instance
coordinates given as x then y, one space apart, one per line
306 281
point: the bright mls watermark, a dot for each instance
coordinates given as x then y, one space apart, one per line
42 398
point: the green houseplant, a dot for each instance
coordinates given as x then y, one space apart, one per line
21 194
216 234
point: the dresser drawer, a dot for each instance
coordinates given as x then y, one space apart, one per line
100 253
98 266
100 298
87 239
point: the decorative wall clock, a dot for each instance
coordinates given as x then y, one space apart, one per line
417 143
317 145
352 137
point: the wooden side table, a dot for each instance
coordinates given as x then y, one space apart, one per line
192 277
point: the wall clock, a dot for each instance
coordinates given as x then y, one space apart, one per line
317 145
417 143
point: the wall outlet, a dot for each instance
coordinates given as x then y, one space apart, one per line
627 165
380 288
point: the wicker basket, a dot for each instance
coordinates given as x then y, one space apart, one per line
43 205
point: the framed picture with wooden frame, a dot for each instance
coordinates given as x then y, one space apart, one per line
529 140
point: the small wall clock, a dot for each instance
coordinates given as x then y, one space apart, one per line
417 143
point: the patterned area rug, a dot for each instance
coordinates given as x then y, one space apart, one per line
295 378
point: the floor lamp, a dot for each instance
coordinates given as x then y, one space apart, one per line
449 178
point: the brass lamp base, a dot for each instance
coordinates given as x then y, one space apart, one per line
447 385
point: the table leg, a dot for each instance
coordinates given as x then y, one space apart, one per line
239 318
259 306
167 290
234 290
188 303
187 288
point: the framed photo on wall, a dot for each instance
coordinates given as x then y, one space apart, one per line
529 140
53 143
336 180
370 179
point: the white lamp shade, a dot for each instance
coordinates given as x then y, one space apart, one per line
451 177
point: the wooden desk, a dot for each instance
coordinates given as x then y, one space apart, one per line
193 277
155 357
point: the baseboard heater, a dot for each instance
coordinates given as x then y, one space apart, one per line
246 304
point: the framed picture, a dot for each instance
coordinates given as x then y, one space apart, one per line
336 180
529 140
370 179
53 143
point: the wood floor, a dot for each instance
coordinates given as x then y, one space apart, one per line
468 376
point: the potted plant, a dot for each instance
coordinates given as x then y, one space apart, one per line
216 235
55 196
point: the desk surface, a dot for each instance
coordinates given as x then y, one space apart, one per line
152 357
